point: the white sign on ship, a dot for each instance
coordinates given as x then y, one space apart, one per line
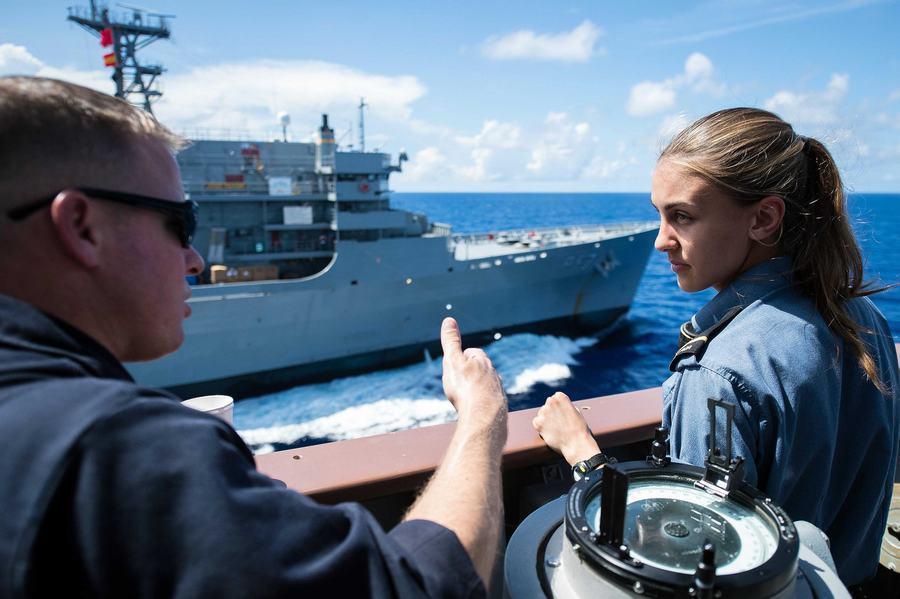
298 215
280 186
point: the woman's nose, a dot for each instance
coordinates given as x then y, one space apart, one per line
664 239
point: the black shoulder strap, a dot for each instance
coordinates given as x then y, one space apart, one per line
692 343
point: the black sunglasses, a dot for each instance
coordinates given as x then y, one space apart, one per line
182 219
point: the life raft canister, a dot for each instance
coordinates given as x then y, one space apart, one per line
364 187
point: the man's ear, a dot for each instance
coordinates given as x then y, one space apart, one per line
76 222
767 220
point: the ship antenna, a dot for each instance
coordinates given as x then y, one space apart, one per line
127 36
362 125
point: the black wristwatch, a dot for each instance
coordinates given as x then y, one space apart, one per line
592 463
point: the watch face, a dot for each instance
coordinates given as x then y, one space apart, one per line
580 469
668 521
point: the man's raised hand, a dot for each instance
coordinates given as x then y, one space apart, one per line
471 383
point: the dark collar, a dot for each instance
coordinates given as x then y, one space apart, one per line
25 328
751 285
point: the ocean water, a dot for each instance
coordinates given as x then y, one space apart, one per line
633 355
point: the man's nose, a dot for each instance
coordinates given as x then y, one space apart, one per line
193 261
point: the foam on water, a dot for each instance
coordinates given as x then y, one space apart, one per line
392 400
383 416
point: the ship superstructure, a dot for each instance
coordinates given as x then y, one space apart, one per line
285 205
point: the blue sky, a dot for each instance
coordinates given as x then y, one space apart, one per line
509 96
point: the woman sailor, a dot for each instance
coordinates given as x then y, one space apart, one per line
758 212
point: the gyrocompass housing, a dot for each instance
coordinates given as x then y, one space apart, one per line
661 529
662 533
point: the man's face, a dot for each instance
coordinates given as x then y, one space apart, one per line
148 264
704 233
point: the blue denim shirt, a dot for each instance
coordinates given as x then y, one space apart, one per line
817 436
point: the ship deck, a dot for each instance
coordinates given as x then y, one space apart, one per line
522 241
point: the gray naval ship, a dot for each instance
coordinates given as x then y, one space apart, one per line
311 274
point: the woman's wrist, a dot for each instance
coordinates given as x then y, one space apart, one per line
582 449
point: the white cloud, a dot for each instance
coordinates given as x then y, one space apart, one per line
17 60
652 97
554 150
601 167
699 75
561 149
494 153
479 169
494 134
811 108
249 95
576 45
427 165
837 87
649 97
895 95
421 127
697 67
558 149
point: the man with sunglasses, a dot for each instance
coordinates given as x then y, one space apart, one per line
111 489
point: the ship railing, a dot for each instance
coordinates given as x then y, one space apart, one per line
248 135
398 463
136 18
553 235
240 250
440 230
301 190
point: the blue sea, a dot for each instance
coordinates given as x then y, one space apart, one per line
632 355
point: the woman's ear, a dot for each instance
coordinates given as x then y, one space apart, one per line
75 221
767 220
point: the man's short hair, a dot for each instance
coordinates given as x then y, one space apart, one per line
55 134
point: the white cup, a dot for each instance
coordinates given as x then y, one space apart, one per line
217 405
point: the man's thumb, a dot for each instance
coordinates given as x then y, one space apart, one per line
450 339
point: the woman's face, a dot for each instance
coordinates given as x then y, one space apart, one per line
705 234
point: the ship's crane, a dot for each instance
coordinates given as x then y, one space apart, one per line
127 34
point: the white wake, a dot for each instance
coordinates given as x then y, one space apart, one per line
398 399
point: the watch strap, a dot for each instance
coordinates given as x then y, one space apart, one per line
592 463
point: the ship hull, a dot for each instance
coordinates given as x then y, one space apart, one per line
249 385
380 304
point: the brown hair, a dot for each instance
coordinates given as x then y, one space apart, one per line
55 134
751 154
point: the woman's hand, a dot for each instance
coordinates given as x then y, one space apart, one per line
564 429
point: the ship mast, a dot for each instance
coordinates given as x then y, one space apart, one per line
362 125
127 36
